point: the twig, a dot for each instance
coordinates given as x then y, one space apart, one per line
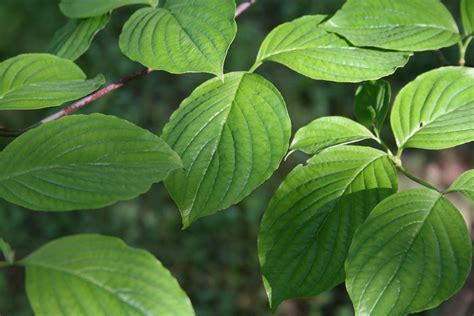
243 6
5 132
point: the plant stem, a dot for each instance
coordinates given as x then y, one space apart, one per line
415 179
6 132
463 45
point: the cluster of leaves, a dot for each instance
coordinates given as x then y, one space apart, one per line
336 219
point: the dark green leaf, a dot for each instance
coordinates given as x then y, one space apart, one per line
184 36
35 81
305 47
412 253
327 132
436 110
77 9
7 251
231 136
82 162
405 25
308 227
75 38
372 103
86 275
464 184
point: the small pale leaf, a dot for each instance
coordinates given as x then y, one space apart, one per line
232 136
35 81
83 162
464 184
327 132
412 253
183 36
85 275
78 9
75 38
303 46
404 25
308 227
436 110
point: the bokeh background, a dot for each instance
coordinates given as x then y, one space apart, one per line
215 260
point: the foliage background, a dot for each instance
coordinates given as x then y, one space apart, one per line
216 259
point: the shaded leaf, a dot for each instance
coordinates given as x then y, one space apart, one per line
184 36
308 227
77 9
327 132
231 136
405 25
75 38
303 46
86 275
436 110
464 184
35 81
372 103
412 253
82 162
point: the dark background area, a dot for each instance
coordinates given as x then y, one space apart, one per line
215 260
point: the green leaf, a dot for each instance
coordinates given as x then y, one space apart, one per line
77 9
372 103
412 253
327 132
464 184
232 136
303 46
436 110
184 36
82 162
467 14
35 81
75 38
86 275
307 229
405 25
7 251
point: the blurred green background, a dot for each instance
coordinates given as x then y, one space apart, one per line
215 260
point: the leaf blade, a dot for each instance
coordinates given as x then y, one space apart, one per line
467 15
328 132
464 184
405 25
77 9
307 228
303 46
82 162
372 103
36 81
75 38
410 227
436 110
231 136
111 277
184 36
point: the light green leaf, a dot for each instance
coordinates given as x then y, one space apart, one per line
35 81
184 36
405 25
464 184
82 162
372 103
436 110
7 251
467 14
232 136
327 132
303 46
75 38
85 275
412 253
308 227
77 9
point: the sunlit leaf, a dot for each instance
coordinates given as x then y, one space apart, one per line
464 184
89 8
